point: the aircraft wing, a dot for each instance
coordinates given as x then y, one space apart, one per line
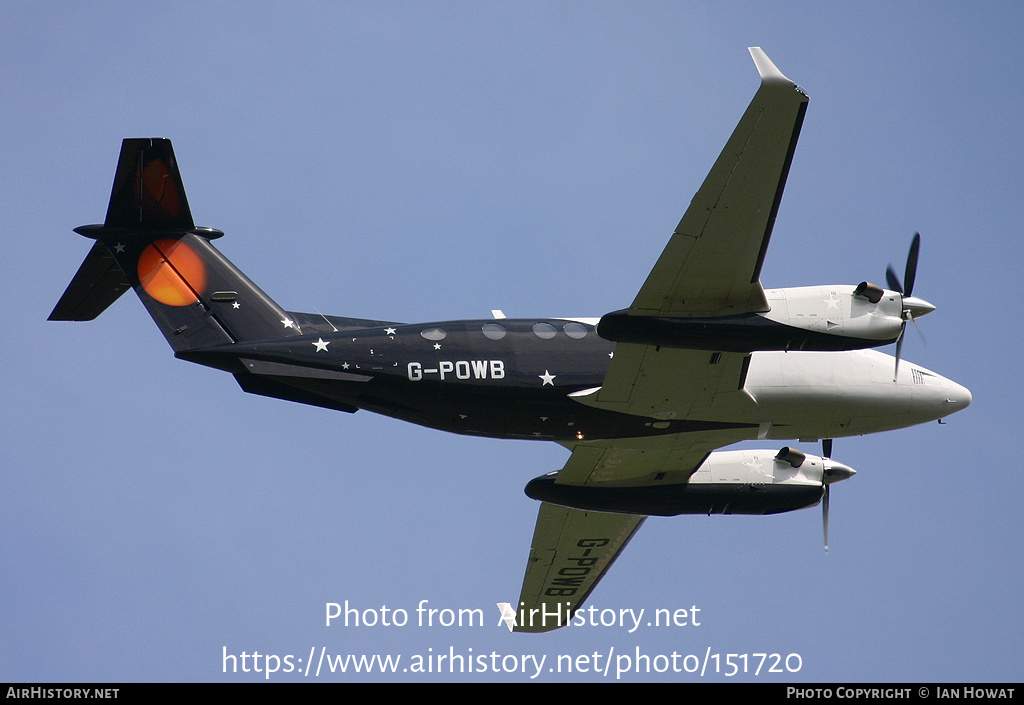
712 263
571 551
710 267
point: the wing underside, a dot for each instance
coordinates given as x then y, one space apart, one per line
710 267
712 263
571 551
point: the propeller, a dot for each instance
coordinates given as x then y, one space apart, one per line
912 307
831 471
824 516
826 453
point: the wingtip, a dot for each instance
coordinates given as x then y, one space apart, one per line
767 70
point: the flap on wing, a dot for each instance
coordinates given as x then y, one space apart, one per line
570 553
712 263
668 383
652 460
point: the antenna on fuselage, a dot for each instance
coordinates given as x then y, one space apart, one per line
326 319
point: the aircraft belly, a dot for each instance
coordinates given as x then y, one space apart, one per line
828 395
517 414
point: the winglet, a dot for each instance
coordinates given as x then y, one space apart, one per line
769 72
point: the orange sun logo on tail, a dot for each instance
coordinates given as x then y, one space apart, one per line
157 193
172 273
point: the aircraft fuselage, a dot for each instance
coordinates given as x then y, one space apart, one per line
513 378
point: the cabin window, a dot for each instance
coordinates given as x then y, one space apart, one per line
575 330
434 334
494 331
544 330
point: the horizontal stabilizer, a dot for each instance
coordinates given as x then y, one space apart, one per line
277 369
270 387
97 284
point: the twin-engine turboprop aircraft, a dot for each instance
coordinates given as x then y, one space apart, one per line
703 357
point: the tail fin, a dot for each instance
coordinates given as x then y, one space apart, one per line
150 243
148 193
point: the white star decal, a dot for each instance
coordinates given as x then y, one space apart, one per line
389 331
236 305
548 378
119 248
288 323
321 345
611 354
832 301
437 346
344 366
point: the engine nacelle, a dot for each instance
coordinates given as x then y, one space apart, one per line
728 482
838 317
865 313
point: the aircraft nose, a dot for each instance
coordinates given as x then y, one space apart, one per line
957 397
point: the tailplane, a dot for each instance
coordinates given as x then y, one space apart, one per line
149 242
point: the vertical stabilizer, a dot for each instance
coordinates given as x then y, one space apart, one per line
148 193
149 242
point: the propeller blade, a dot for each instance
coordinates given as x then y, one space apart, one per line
899 350
911 273
824 516
831 472
909 304
826 447
918 329
892 279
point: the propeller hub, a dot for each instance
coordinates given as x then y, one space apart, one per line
916 307
835 472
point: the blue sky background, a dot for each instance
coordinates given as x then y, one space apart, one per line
426 161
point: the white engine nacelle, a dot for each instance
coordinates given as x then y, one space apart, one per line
837 317
787 466
867 312
727 482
